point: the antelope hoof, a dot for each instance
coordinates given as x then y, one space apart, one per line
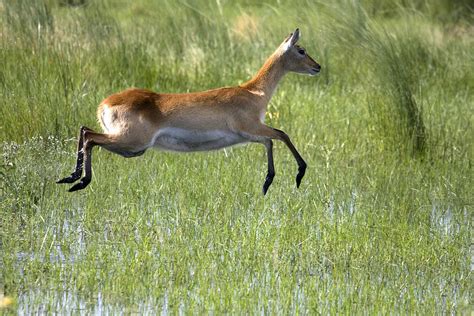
268 182
71 179
300 175
80 185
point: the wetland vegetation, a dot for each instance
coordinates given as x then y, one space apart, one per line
382 222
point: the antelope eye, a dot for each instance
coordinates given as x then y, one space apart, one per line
301 51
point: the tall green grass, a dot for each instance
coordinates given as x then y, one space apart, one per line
381 223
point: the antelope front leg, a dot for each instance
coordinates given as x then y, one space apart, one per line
262 133
271 168
76 174
301 163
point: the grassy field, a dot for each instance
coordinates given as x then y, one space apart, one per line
382 222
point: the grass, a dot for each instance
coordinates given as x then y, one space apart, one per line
381 224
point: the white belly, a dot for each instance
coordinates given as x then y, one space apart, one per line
179 139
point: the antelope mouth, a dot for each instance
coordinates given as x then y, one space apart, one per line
314 71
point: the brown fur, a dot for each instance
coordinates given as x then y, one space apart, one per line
132 118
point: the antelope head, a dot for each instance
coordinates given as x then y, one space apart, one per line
295 58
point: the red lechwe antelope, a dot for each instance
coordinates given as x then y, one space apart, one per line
136 119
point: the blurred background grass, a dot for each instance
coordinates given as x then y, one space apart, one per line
382 221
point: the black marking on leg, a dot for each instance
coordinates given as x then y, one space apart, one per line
76 174
300 175
268 182
71 179
80 185
271 168
301 163
87 151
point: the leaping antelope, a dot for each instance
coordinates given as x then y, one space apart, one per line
136 119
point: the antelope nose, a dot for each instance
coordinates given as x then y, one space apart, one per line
317 68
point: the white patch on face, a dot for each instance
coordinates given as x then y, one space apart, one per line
179 139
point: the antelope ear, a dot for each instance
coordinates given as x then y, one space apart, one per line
295 37
291 40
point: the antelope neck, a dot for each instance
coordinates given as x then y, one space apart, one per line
267 78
